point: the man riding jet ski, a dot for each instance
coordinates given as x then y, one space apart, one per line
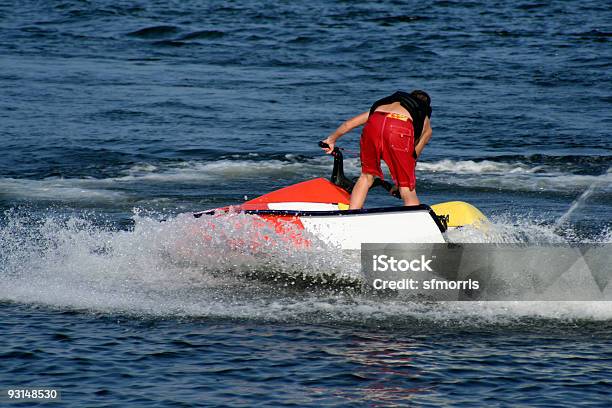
396 130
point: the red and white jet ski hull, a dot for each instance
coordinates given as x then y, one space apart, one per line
319 208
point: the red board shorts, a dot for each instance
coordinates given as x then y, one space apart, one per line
390 137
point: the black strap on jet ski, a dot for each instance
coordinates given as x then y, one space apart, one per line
339 179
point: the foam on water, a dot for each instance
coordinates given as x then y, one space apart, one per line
194 171
479 167
199 268
512 176
84 190
516 176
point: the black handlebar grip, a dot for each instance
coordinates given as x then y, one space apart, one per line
326 146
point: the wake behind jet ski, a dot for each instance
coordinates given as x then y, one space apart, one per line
320 207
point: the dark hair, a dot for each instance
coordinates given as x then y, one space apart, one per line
422 95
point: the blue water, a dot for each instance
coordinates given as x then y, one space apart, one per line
118 114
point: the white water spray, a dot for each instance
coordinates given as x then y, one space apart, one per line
178 268
603 181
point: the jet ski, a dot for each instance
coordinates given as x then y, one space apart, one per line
320 207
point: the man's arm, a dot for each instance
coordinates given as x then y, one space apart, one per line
425 136
345 127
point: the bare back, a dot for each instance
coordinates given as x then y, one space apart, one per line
394 107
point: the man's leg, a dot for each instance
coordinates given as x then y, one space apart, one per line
360 191
409 196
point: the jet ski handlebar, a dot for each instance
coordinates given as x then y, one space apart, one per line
336 150
339 179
